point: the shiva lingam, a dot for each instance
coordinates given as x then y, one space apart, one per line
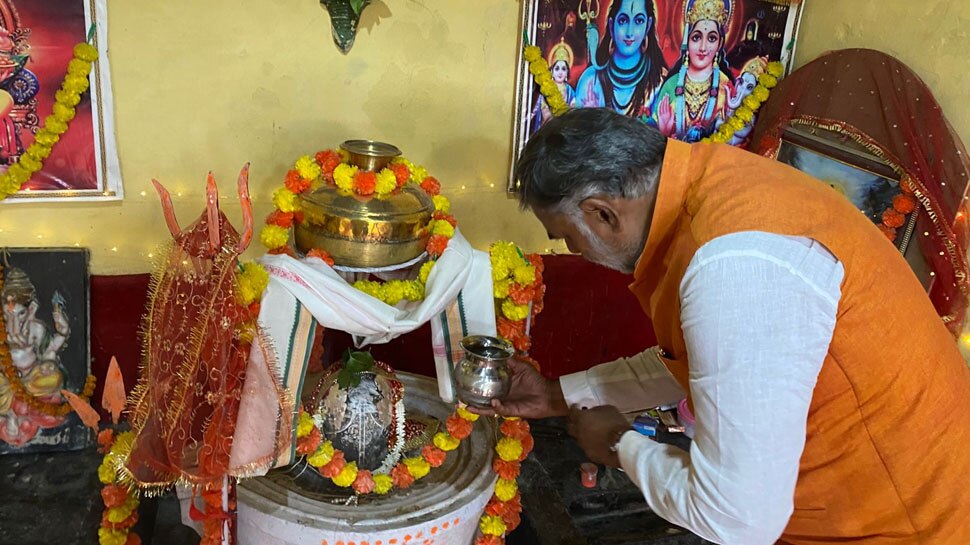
366 232
483 374
359 405
296 505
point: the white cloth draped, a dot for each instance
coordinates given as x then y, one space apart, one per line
337 305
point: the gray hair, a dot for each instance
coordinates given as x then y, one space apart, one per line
587 152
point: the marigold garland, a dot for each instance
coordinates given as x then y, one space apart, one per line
894 216
502 513
750 105
331 167
518 290
75 83
120 501
331 462
539 68
19 391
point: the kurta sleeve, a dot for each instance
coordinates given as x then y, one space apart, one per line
631 384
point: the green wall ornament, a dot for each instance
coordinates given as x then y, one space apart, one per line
344 16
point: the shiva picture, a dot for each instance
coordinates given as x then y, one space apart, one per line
45 307
682 66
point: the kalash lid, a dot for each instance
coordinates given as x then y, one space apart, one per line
409 203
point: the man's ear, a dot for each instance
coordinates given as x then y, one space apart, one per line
601 214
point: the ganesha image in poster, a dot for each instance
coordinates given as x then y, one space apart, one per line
682 66
37 40
44 304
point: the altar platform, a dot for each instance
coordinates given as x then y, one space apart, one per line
61 494
590 317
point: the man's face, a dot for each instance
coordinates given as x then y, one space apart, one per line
611 251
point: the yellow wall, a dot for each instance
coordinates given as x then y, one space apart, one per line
211 84
931 36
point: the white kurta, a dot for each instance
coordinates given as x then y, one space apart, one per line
757 311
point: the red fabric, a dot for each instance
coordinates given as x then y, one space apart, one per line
880 103
117 306
590 317
183 411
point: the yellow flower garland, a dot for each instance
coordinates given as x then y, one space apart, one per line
69 95
116 522
750 105
539 69
251 280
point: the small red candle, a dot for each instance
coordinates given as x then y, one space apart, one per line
587 475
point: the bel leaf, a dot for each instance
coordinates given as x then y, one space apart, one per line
355 363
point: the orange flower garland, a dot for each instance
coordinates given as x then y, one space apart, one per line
330 167
502 514
894 217
331 462
519 292
120 502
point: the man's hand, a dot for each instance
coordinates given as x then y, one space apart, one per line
596 430
530 395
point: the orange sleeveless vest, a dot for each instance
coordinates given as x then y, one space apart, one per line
887 452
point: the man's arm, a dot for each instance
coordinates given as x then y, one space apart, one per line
758 312
630 384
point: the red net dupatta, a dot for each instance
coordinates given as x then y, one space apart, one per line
880 104
183 411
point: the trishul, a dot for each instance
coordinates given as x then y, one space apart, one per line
216 236
590 13
592 33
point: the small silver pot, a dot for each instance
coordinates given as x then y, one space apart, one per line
483 374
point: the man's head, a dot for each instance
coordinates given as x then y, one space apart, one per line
590 176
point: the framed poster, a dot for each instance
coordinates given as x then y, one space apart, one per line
682 66
868 182
45 300
37 39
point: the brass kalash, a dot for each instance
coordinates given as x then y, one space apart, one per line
366 232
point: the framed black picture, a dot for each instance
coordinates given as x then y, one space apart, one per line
867 181
45 297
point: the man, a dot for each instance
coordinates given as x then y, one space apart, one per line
830 400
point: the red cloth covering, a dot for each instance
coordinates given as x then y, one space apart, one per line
879 103
183 410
